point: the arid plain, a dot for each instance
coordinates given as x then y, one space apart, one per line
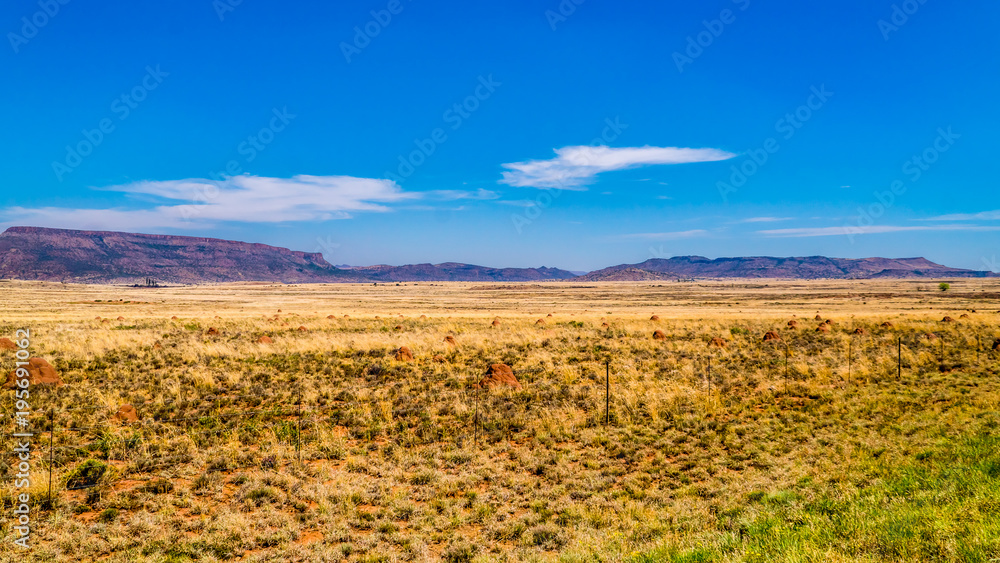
649 421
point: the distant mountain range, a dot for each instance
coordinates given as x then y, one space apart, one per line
36 253
811 267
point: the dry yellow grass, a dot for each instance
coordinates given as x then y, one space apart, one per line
406 460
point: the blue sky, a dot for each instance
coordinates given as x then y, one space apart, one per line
567 134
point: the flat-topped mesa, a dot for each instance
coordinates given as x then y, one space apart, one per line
37 253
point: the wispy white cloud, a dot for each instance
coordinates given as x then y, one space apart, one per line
575 167
981 216
195 202
869 230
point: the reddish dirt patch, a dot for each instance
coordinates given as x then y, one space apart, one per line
173 318
963 316
540 322
549 315
331 317
886 325
823 328
659 335
438 358
718 342
793 324
40 372
7 344
403 354
947 320
654 318
121 318
398 327
212 331
605 325
496 322
450 340
860 331
931 336
423 317
157 346
126 413
499 375
771 336
818 318
302 329
265 340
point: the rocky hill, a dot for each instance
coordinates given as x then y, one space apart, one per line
811 267
34 253
453 271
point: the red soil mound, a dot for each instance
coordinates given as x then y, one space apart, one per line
397 327
540 322
718 342
331 317
860 331
996 345
658 335
423 317
121 318
126 413
549 315
212 331
403 354
173 318
654 318
496 322
963 316
499 375
823 328
302 329
264 340
39 371
947 320
605 325
438 358
886 324
793 324
450 340
771 335
7 344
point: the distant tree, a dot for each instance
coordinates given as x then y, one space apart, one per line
944 286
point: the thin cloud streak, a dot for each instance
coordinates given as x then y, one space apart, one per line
981 216
575 167
870 230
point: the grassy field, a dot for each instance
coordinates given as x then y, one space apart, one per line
845 445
